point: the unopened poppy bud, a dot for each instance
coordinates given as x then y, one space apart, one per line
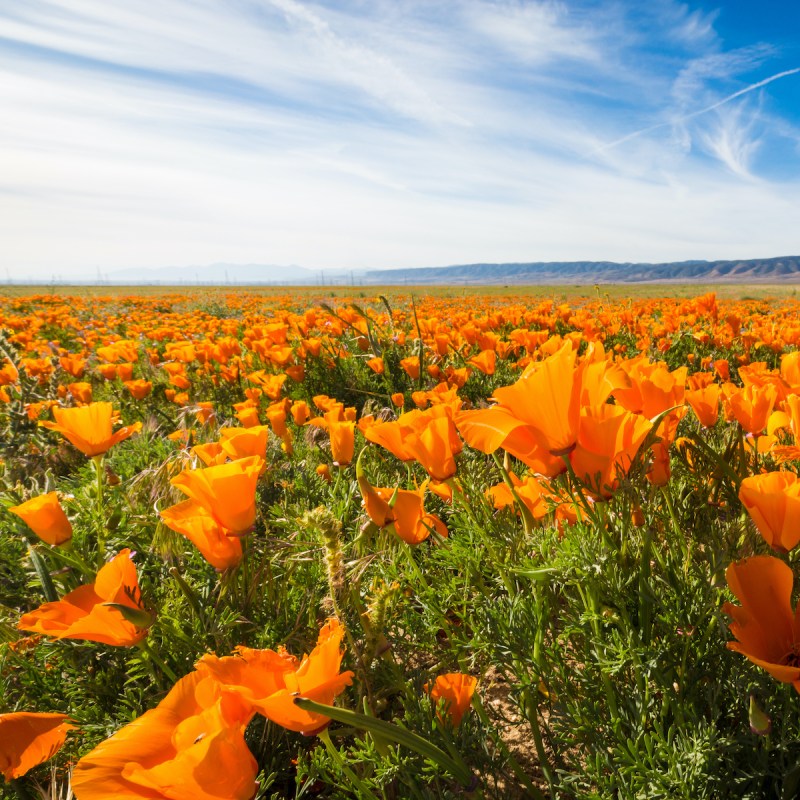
324 471
760 723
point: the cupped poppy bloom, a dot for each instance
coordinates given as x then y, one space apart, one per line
659 471
487 429
191 520
268 680
139 389
485 362
392 436
376 365
429 437
210 453
456 690
300 412
226 491
608 441
343 441
538 499
402 509
341 429
81 392
547 398
189 747
436 444
773 502
92 611
766 627
242 442
89 427
752 406
45 517
705 404
28 738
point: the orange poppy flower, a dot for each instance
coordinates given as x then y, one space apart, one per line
45 517
456 689
276 415
85 613
773 502
191 745
376 365
609 439
659 471
766 627
210 453
75 365
204 411
411 366
28 738
752 406
89 427
139 389
705 404
248 416
195 523
485 362
342 442
536 497
81 392
125 373
300 412
436 444
242 442
487 429
401 508
428 436
108 371
392 436
268 681
226 491
547 399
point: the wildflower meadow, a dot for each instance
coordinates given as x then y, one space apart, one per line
390 545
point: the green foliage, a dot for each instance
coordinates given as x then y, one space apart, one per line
600 647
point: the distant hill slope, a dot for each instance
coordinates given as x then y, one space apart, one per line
785 269
759 270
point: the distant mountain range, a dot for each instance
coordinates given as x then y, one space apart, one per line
785 269
759 270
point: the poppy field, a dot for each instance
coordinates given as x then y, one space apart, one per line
256 544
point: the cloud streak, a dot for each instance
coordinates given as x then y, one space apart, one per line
699 112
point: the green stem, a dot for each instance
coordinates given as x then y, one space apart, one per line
145 647
101 525
645 611
356 782
676 525
591 604
189 594
527 518
532 713
499 563
402 736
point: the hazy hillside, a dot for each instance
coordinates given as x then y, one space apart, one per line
759 270
763 270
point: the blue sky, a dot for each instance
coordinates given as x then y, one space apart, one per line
382 133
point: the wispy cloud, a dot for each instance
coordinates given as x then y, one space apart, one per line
397 132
